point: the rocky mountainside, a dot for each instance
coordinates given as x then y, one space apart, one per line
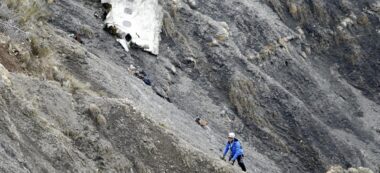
298 81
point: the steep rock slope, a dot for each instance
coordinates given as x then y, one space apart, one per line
297 80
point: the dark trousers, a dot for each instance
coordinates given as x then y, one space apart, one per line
240 162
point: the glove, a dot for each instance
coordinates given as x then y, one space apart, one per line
223 158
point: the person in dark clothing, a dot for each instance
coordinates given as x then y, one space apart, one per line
234 145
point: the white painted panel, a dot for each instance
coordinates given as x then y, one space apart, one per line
142 19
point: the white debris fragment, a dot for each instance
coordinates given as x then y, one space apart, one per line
123 43
347 22
140 19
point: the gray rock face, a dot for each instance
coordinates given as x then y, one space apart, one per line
296 80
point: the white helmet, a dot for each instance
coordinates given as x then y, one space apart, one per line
231 135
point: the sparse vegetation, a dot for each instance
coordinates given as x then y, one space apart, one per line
101 120
74 84
168 25
162 125
13 3
299 10
320 11
95 113
293 10
93 110
335 169
34 12
173 8
69 81
222 31
8 57
245 106
270 106
71 134
363 20
170 30
86 31
267 50
39 61
29 110
270 48
34 58
38 48
30 10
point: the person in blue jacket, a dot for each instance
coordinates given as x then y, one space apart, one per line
234 145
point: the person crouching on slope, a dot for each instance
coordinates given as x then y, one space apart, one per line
234 145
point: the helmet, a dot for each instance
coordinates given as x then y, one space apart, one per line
231 135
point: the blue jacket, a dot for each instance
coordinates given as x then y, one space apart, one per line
236 149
